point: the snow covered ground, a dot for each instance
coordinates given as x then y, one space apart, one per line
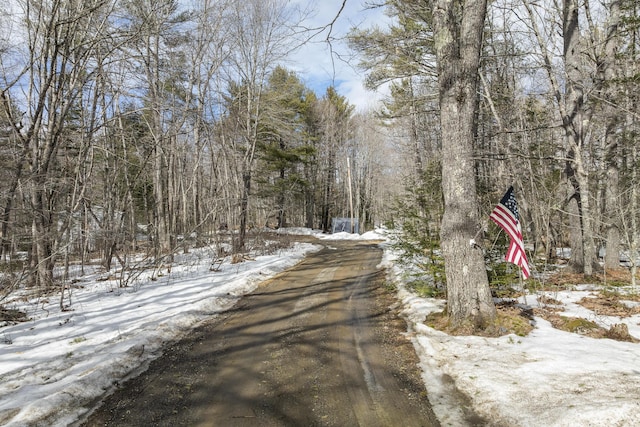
54 366
548 378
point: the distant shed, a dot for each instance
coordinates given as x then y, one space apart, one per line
339 225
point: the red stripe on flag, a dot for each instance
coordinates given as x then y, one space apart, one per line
505 219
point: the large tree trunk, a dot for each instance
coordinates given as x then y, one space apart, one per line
458 42
611 143
573 124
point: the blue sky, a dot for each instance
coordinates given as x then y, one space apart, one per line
319 64
313 62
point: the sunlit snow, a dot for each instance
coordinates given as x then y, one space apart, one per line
54 366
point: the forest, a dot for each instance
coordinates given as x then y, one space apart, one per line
133 127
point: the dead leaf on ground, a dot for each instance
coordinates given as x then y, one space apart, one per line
608 306
617 276
581 326
547 300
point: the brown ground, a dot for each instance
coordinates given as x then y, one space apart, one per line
318 345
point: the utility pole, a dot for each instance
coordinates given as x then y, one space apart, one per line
350 194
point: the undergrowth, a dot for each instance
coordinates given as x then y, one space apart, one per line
510 319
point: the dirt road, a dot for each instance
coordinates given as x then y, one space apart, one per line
318 345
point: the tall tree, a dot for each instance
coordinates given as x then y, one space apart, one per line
284 147
457 34
61 41
448 33
11 168
628 101
335 115
156 25
208 50
584 96
574 117
608 71
311 116
261 33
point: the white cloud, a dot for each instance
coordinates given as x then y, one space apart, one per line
321 64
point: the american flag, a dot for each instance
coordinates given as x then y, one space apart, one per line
507 217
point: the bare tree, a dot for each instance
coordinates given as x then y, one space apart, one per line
209 51
61 39
612 143
335 115
260 33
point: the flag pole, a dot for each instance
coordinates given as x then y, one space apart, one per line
524 292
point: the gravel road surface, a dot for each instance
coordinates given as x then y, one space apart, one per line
321 344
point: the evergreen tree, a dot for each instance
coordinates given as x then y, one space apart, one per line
284 148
